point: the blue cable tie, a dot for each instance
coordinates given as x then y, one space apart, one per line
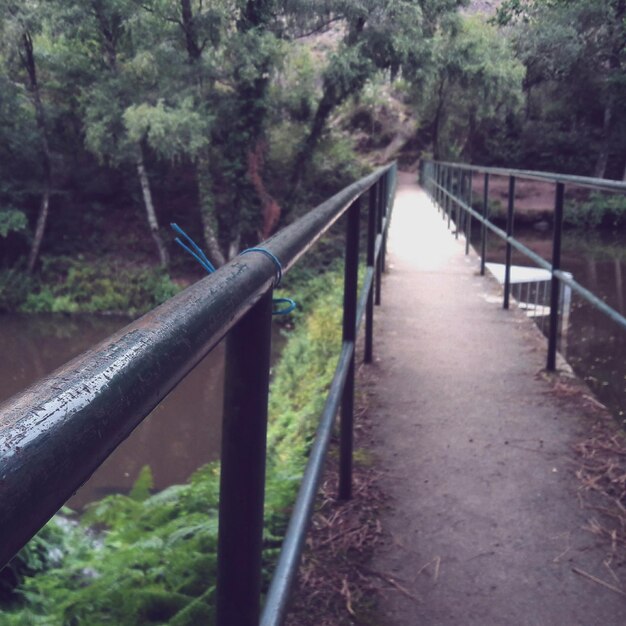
194 255
288 309
291 304
274 258
195 250
198 254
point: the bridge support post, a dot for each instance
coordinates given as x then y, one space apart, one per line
379 231
449 189
509 247
483 228
371 254
555 285
242 477
385 210
458 196
468 216
349 336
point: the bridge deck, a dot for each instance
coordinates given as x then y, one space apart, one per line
485 523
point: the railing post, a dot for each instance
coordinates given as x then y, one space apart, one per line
456 194
468 215
379 231
441 196
449 190
509 247
555 291
350 289
371 251
483 227
242 476
383 250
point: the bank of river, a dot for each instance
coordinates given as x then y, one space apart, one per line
594 345
182 432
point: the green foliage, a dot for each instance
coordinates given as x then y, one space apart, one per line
12 221
76 286
155 562
171 132
15 286
143 485
600 210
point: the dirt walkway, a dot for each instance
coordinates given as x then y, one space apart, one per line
484 519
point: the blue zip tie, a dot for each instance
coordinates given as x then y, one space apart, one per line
269 255
195 250
198 254
288 309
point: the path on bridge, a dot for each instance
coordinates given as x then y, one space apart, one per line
484 520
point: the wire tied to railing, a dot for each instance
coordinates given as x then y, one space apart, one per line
291 304
198 254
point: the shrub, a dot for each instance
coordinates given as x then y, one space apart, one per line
600 210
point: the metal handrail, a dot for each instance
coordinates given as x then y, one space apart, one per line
445 182
553 177
55 434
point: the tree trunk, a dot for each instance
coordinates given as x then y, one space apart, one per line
194 49
271 208
207 211
27 56
438 116
42 219
603 155
150 212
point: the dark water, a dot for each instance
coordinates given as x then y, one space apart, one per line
594 345
180 435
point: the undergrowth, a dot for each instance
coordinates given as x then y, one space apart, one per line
153 560
67 285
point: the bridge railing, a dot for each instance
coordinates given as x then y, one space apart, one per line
450 187
55 434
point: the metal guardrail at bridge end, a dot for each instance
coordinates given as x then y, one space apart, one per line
55 434
450 187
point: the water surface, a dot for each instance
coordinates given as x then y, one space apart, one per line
594 345
181 433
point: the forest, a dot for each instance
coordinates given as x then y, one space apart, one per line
232 118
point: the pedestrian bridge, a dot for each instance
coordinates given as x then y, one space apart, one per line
485 526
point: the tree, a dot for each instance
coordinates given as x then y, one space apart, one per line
20 28
474 85
575 54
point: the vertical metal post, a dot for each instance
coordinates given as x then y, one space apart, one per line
456 194
371 250
509 248
379 231
483 228
351 269
242 476
383 245
448 189
555 283
468 215
441 196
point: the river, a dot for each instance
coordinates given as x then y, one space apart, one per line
180 434
594 345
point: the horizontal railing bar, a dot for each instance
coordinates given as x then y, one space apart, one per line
541 262
589 296
581 181
277 599
55 434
